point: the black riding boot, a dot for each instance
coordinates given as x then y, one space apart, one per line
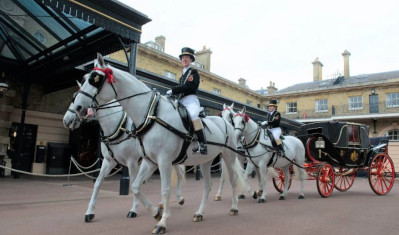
203 149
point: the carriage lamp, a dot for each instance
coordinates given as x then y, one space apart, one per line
320 144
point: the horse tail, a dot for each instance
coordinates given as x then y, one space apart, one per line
178 171
239 171
299 173
272 172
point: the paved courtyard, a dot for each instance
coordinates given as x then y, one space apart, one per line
37 205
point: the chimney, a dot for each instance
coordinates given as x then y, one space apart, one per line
346 55
241 82
161 41
204 57
271 89
317 70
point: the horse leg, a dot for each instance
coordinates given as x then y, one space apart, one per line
146 168
165 170
262 172
287 174
206 174
180 171
302 176
133 170
106 168
248 171
236 180
218 196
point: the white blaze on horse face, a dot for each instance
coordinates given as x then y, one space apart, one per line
239 126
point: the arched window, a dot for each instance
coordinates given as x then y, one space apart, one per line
393 135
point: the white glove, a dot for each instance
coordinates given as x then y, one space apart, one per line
169 92
264 123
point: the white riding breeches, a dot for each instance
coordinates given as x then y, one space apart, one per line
276 132
192 105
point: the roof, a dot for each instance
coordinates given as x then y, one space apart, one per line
41 39
340 82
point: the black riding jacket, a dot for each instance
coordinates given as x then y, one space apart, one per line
188 83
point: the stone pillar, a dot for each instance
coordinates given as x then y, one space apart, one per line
241 82
317 70
271 89
346 55
161 41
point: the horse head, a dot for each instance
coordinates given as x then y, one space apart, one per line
97 88
228 113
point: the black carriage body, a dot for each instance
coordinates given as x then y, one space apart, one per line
338 143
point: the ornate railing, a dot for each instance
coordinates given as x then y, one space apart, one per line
341 110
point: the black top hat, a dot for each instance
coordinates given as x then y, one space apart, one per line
187 51
273 103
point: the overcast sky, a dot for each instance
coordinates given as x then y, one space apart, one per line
263 40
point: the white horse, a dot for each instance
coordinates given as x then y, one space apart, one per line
161 134
259 146
228 114
117 146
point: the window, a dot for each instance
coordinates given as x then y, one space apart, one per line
355 102
321 106
393 135
353 134
292 107
216 91
249 102
392 100
169 75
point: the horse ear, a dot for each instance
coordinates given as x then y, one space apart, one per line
243 110
79 84
224 106
232 106
100 60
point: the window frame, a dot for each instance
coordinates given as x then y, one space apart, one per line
288 107
166 74
317 106
392 102
355 103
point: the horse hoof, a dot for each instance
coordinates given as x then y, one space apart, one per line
158 230
131 214
198 218
89 218
260 192
158 216
233 212
218 198
181 202
261 200
301 197
241 196
281 198
255 196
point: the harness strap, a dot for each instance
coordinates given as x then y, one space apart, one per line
111 153
118 132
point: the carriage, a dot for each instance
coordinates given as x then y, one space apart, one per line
337 151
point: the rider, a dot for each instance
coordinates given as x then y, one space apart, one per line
188 90
273 123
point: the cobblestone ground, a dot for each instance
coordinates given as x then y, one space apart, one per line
32 205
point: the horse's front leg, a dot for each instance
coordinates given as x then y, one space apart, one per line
262 180
133 170
165 170
180 171
287 176
218 196
146 168
206 174
106 168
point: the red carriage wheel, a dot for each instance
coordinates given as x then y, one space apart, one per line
381 174
325 180
278 182
344 179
